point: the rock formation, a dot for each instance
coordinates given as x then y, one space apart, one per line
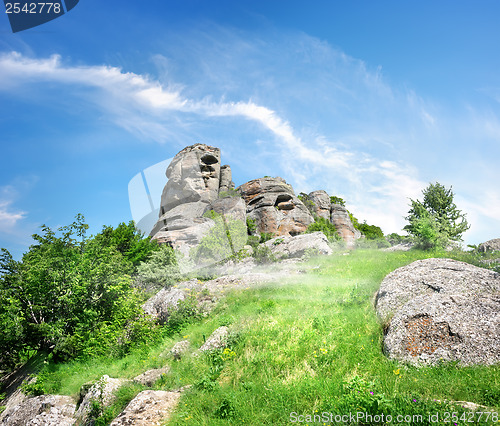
195 179
441 310
298 246
339 216
273 205
491 245
320 204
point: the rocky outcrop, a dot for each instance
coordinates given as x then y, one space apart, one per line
102 392
148 408
339 216
298 246
320 204
194 181
491 245
47 410
273 205
441 309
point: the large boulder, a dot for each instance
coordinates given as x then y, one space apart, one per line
339 216
441 310
298 246
48 410
149 408
272 203
195 180
491 245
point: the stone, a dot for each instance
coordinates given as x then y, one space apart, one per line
272 203
435 328
339 216
179 349
164 302
298 246
47 410
150 377
148 408
226 179
491 245
436 310
321 204
428 276
217 340
195 180
102 392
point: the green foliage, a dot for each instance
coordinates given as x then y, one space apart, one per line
308 203
251 226
222 241
371 232
229 193
134 246
69 295
436 221
265 236
337 200
161 269
186 312
325 226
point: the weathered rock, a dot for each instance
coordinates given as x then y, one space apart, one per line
150 377
226 179
339 217
321 204
272 203
164 302
298 246
432 328
428 276
193 183
217 340
179 349
47 410
231 208
441 310
148 408
102 392
491 245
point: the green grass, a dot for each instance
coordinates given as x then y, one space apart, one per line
306 345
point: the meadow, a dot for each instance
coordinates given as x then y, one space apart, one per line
304 350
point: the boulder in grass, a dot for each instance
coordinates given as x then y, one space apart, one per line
298 246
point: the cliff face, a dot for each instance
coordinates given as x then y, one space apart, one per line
198 183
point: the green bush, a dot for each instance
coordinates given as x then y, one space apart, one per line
325 226
161 269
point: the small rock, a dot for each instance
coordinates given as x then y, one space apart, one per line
179 349
217 340
150 377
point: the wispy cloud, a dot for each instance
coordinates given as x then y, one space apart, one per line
322 118
9 216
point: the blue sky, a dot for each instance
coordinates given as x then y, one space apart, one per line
367 100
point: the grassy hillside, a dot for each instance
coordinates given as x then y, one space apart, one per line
308 345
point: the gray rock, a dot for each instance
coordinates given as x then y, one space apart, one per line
226 179
428 276
150 377
217 340
272 203
179 349
339 217
164 302
148 408
441 310
321 201
193 183
102 392
294 247
47 410
432 328
491 245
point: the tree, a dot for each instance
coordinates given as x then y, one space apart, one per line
436 220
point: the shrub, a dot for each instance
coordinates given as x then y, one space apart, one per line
160 270
325 226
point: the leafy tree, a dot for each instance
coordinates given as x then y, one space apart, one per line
371 232
161 269
325 226
70 294
436 220
337 200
